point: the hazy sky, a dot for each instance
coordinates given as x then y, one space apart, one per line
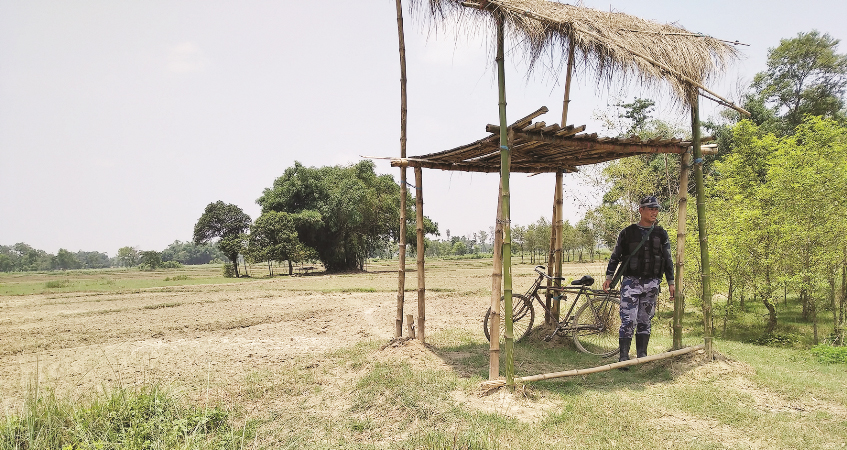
121 120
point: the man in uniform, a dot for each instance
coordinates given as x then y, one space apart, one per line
645 252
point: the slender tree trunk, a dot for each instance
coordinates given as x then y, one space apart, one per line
290 268
767 300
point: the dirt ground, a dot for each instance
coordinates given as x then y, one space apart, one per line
192 336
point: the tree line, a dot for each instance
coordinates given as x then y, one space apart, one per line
22 257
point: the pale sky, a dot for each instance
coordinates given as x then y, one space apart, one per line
121 120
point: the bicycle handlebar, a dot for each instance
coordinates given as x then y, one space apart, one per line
541 270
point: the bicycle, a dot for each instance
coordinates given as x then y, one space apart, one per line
594 327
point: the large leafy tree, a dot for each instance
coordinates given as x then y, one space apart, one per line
226 222
805 76
128 256
351 210
273 237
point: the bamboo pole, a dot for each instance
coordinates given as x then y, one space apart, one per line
421 336
559 177
401 257
682 212
701 225
631 362
553 315
505 161
496 288
559 226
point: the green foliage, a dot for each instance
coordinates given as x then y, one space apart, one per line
829 354
343 212
57 284
128 256
141 419
228 271
228 223
805 76
150 260
273 237
787 340
190 253
761 191
66 260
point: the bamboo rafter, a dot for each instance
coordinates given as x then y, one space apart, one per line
542 148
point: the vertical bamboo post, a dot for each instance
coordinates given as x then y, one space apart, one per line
496 280
559 201
682 212
559 226
553 315
701 224
505 161
420 232
401 257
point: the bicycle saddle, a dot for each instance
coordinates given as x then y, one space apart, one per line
586 280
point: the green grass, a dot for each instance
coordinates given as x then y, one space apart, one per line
146 418
394 403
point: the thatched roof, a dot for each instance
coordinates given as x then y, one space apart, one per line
614 44
541 148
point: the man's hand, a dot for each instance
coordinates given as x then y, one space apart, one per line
672 290
606 285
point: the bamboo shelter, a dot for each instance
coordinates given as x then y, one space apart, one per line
610 46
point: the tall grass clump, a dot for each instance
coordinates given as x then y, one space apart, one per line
147 418
829 354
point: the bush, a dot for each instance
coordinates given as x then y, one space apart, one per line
57 284
777 340
171 265
228 271
828 354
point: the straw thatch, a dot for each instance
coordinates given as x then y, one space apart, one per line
615 45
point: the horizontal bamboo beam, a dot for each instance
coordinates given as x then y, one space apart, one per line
571 131
520 123
576 372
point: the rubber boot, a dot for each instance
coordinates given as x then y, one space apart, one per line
641 341
625 344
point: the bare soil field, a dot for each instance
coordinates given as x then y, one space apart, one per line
197 336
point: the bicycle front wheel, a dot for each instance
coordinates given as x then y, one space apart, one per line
597 325
522 317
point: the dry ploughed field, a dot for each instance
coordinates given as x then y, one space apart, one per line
285 347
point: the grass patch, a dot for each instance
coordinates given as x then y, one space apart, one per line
57 284
145 418
177 278
828 354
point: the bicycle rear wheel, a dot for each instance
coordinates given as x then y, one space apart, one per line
597 325
522 317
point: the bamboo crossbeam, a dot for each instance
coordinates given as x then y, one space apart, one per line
535 126
493 384
526 120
